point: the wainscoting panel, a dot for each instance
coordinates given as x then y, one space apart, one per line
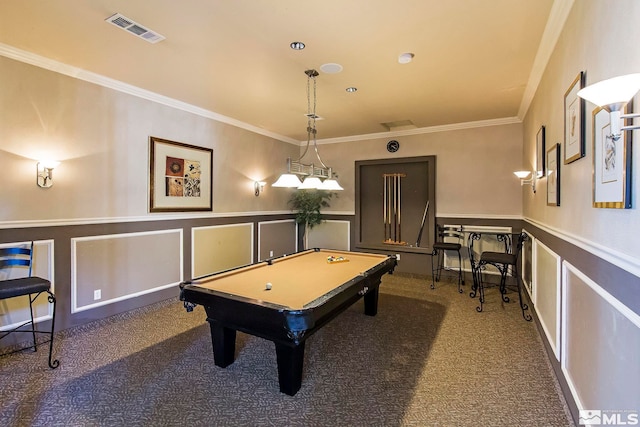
600 345
221 247
547 293
276 238
122 266
15 311
331 234
527 265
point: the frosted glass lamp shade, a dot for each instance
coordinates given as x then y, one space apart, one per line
310 183
331 185
522 174
287 180
613 92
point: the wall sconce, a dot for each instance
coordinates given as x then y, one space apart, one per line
612 95
258 187
522 175
44 170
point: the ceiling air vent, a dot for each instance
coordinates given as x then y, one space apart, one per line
134 28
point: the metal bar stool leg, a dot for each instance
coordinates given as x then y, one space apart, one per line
52 363
504 270
33 325
476 280
480 291
460 277
523 306
433 270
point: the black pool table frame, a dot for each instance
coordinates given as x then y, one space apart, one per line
287 328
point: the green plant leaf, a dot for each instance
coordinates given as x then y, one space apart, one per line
307 205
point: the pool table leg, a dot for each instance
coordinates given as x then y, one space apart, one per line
371 302
224 344
290 361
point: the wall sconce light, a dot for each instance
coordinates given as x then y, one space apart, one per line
522 175
44 172
258 187
612 95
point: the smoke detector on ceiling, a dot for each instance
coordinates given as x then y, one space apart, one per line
134 28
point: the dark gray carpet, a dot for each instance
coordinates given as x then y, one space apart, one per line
426 359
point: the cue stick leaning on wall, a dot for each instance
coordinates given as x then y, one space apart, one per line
424 217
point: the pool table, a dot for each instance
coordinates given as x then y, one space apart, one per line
285 300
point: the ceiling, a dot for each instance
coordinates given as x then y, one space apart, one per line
473 58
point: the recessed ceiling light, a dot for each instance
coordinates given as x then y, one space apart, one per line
351 89
405 58
297 45
331 68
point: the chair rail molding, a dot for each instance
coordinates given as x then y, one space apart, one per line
617 258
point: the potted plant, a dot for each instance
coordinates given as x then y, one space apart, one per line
307 205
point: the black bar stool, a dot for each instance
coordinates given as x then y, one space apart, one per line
454 236
505 262
22 257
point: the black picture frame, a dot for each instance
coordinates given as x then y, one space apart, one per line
540 152
553 175
574 121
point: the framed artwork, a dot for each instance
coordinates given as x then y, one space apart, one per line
611 164
180 177
540 152
574 123
553 175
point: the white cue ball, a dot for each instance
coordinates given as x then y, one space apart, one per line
268 287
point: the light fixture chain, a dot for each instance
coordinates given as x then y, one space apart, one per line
314 172
312 129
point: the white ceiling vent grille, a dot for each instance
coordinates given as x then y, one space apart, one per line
134 28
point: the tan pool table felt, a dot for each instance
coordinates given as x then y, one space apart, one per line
296 279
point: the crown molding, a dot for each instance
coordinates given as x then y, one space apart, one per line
78 73
555 24
421 131
557 17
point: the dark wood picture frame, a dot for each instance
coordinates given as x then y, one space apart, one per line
540 152
553 175
574 121
180 177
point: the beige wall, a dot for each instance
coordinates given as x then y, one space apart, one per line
601 38
598 311
474 168
102 138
